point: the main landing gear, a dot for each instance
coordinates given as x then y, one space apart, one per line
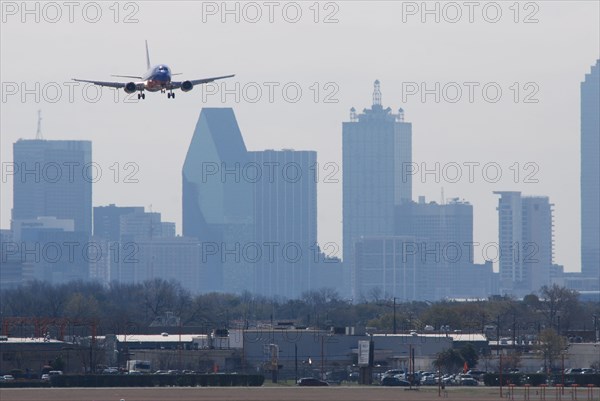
141 95
171 95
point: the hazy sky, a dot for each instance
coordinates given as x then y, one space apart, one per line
395 42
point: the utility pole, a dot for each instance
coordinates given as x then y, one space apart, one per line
322 358
394 315
498 336
514 332
296 362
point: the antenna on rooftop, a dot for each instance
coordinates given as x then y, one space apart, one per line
38 134
376 93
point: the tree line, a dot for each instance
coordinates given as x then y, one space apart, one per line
121 307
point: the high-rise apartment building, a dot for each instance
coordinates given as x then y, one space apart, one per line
526 242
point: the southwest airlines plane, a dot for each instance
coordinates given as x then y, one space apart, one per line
157 78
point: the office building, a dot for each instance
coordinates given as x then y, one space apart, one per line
590 174
218 206
376 146
54 178
285 214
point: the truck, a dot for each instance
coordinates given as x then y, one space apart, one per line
138 366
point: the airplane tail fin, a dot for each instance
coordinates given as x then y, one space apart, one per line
147 56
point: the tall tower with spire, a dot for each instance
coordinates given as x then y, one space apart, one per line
377 153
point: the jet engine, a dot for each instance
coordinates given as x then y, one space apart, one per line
186 86
131 87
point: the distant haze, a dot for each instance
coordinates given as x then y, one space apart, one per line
547 60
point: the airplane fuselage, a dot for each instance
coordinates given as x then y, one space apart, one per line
157 78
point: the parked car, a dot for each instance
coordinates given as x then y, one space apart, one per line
46 377
429 380
449 380
392 372
468 381
7 378
393 381
110 371
311 381
477 374
587 371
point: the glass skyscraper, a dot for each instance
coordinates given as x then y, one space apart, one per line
376 147
445 235
218 206
590 173
285 201
54 178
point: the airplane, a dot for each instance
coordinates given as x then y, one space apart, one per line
157 78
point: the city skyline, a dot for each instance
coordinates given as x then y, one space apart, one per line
217 153
353 115
504 132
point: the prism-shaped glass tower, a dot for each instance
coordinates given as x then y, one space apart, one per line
218 202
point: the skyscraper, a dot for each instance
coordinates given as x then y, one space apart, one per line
445 246
590 173
107 220
376 148
285 204
54 178
390 267
217 200
526 242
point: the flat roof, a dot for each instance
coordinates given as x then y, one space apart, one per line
454 336
29 340
159 338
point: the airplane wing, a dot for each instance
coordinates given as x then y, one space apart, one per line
177 85
103 83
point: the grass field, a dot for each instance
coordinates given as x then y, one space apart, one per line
274 393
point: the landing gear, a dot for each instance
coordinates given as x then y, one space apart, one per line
170 95
141 95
